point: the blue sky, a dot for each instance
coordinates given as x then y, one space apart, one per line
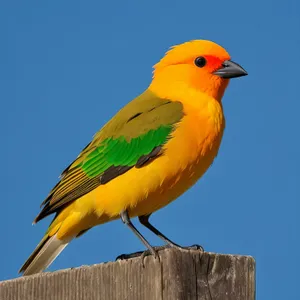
67 66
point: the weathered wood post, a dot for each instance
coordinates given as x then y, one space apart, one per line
182 275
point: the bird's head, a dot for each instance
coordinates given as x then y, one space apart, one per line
199 65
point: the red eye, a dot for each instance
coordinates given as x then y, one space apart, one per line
200 61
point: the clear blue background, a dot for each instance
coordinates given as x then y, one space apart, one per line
67 66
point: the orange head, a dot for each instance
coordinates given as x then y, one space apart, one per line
198 65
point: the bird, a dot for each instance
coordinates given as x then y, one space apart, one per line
153 150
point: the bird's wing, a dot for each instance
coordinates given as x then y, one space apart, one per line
132 138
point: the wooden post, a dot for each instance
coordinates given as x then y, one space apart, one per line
182 275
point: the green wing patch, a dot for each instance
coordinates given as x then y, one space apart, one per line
119 152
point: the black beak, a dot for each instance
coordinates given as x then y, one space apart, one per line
230 69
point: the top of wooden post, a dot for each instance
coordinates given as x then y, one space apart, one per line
186 275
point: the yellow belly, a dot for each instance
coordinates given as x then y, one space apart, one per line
187 156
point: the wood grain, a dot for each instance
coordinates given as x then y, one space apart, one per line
177 275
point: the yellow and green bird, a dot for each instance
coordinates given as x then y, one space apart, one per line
148 154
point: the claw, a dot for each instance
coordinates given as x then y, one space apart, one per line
144 254
194 247
129 256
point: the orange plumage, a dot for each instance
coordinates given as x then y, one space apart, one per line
193 76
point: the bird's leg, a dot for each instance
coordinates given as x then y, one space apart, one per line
126 220
144 220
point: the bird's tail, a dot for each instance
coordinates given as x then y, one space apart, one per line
43 255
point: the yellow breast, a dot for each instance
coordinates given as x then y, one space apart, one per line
188 155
